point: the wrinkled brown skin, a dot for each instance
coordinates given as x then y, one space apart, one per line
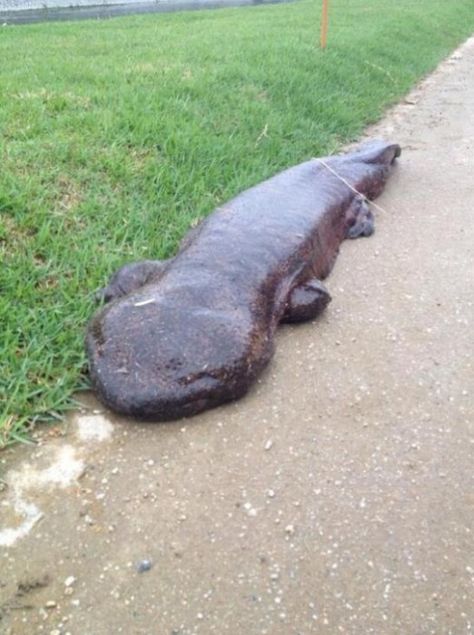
195 331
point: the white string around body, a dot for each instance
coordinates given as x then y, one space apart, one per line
341 178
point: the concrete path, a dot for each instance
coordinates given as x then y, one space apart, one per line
30 11
338 497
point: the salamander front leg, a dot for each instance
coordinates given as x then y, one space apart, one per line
131 277
306 301
360 219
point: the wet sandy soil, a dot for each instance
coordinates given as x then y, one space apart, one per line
337 497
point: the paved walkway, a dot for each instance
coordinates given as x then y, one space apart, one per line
29 11
24 5
338 497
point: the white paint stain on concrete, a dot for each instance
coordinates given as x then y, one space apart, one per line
63 470
31 515
94 427
61 467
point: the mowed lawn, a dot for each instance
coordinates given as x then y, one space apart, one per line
116 135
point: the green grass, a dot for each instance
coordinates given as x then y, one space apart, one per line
115 135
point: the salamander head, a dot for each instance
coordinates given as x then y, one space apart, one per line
161 361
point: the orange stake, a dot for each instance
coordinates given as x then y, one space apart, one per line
324 23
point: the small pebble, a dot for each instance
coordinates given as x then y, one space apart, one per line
290 529
50 604
268 445
69 581
144 565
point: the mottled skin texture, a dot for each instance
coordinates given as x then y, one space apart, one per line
192 332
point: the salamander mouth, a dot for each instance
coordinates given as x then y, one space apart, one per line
186 397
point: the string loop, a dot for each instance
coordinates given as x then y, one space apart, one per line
353 189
